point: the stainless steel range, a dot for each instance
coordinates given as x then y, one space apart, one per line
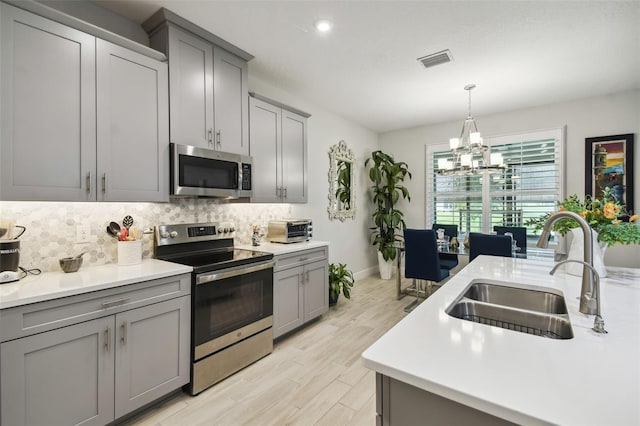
232 298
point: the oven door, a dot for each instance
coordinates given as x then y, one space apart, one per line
229 300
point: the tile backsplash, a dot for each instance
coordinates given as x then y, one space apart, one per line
51 226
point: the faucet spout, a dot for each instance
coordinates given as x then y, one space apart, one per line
598 323
588 272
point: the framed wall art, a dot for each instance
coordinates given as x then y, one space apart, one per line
609 163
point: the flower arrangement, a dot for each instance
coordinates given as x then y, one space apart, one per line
603 215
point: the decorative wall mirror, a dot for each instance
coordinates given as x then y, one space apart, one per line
342 194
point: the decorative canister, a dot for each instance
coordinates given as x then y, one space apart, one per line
129 252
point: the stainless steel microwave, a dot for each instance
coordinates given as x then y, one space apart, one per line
202 172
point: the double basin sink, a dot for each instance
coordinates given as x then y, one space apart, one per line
533 310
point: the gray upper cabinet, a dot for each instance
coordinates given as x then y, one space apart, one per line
278 139
208 85
82 119
133 136
48 146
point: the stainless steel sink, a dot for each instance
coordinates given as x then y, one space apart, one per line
547 300
540 312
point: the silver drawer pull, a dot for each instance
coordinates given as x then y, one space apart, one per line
302 259
113 303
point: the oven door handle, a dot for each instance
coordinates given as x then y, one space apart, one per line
233 272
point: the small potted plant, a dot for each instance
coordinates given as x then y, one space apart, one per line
340 279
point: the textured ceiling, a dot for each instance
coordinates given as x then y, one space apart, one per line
519 54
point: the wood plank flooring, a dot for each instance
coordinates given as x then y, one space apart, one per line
313 377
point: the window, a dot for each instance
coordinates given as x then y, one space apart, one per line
529 186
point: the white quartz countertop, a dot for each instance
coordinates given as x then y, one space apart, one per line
280 248
53 285
591 379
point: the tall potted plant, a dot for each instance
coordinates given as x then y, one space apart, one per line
387 177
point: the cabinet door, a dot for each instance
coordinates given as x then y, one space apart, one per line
47 150
190 89
133 133
265 135
230 95
316 289
288 301
59 377
152 357
294 157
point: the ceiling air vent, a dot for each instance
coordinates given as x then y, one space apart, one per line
437 58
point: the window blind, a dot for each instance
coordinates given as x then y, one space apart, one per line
529 186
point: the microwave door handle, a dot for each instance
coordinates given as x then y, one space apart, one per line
239 176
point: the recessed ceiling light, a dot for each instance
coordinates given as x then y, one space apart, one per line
323 25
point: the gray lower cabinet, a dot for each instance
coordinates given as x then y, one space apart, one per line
300 289
399 403
94 370
82 119
278 139
208 88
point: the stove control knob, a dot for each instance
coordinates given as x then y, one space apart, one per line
225 230
164 234
231 229
173 234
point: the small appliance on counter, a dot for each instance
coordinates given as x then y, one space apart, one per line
10 252
290 230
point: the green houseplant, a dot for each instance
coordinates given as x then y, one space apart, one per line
340 279
387 177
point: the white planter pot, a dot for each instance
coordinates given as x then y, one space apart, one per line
385 266
576 252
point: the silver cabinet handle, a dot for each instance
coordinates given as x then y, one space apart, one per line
302 259
210 136
285 192
218 138
123 329
302 277
107 339
104 183
89 183
307 278
113 303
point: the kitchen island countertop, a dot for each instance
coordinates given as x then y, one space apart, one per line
590 379
54 285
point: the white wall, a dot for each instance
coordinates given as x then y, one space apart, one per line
612 114
349 239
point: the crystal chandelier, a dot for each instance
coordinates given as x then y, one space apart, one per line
468 154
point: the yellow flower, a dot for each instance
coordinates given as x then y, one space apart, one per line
562 209
609 211
633 218
583 213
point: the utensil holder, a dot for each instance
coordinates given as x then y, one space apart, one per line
129 252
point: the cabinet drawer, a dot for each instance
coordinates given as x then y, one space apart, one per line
39 317
291 260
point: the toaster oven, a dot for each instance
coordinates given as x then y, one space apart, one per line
289 230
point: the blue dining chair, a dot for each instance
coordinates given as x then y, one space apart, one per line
493 245
519 235
447 260
421 261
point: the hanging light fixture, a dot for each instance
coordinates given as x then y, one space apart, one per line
468 153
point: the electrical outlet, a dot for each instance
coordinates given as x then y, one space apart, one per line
82 233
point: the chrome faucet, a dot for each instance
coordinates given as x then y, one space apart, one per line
588 272
590 299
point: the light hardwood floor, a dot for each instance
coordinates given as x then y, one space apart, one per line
314 376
